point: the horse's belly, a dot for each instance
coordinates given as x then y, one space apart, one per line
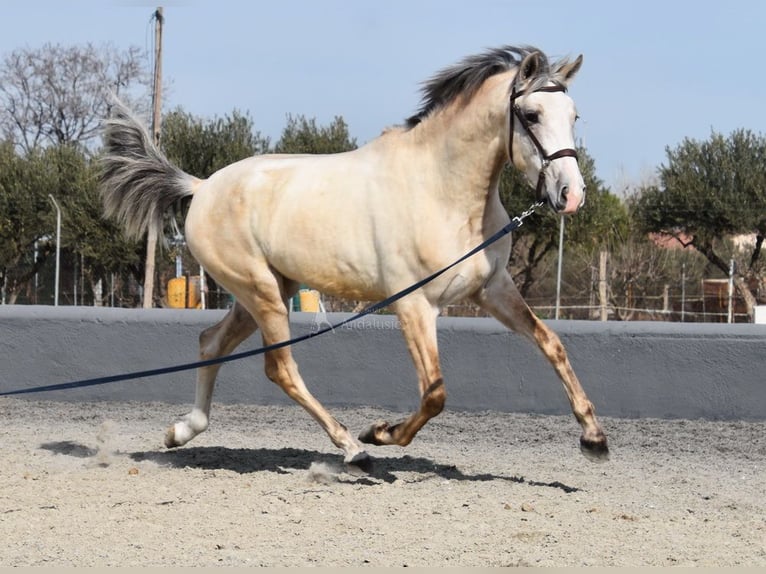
331 275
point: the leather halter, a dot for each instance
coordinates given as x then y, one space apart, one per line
546 157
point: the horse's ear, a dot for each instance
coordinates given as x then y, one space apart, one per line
566 72
528 69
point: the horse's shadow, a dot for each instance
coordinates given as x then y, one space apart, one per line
285 460
282 460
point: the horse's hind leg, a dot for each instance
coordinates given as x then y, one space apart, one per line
418 321
219 340
501 299
268 304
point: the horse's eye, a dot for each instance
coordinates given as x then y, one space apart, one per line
532 117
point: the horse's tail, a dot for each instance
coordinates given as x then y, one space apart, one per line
137 182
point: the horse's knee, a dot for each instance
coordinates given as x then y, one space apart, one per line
434 398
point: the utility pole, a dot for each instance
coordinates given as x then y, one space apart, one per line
730 314
683 292
152 235
157 85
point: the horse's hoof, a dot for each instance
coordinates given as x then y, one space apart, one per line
360 464
374 434
595 450
170 437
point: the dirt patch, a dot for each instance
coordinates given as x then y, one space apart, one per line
91 485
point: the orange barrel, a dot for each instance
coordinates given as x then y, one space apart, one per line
309 300
184 292
177 293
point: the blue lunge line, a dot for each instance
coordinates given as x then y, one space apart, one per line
515 223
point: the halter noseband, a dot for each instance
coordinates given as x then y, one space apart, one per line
547 158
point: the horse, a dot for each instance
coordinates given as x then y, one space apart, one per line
366 223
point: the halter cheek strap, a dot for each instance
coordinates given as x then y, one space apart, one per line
546 157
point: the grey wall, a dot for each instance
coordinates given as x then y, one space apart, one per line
639 369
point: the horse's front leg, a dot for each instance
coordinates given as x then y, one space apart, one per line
418 322
504 302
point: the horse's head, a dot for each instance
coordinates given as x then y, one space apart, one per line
541 134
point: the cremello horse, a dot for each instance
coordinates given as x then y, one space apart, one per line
367 223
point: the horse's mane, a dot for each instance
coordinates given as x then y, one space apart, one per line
467 76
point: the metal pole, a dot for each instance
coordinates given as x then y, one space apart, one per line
36 273
558 272
683 292
178 241
731 291
58 249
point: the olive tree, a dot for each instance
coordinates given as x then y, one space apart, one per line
708 192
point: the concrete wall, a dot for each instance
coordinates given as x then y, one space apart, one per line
641 369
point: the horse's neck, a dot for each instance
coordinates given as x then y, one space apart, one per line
468 154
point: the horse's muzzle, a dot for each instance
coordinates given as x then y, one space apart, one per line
567 201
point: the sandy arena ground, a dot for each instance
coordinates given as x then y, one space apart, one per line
91 485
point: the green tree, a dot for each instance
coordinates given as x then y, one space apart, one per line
97 243
202 147
302 135
26 217
708 192
599 221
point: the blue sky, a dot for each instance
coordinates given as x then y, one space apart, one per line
654 71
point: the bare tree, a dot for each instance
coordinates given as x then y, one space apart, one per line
60 94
